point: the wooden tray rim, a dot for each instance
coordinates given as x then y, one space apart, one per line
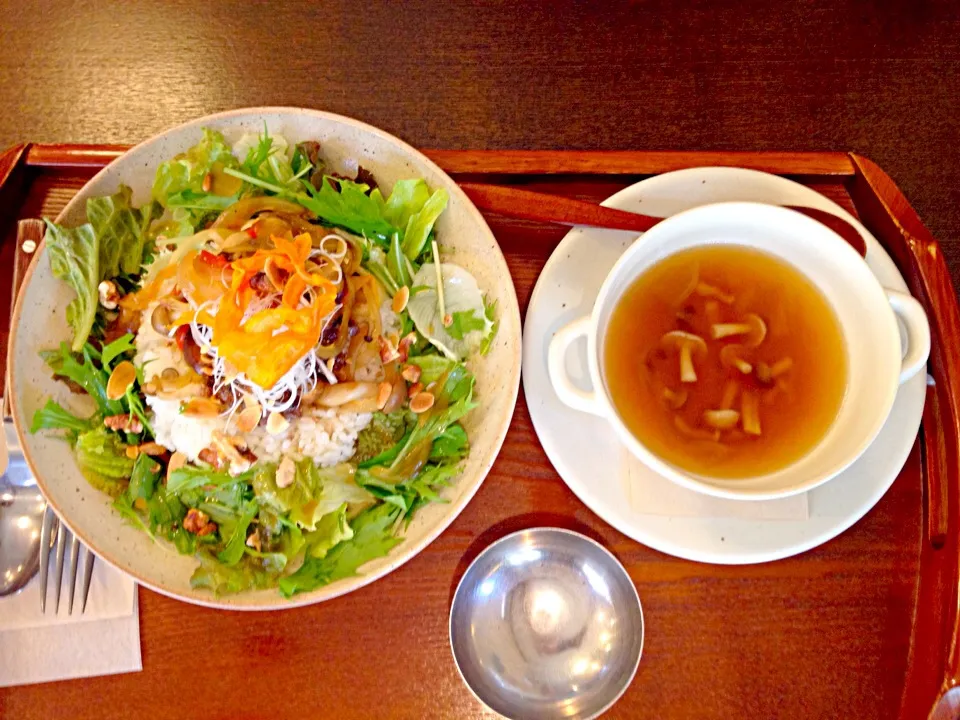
933 670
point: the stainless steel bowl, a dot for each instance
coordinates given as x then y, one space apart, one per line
546 623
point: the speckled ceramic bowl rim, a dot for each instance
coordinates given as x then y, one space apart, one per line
408 552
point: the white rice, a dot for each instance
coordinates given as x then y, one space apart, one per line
327 437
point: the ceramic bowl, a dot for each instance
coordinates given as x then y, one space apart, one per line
39 323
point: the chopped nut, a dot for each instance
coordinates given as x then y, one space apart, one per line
285 473
422 402
109 297
207 182
277 423
198 523
211 457
150 388
447 320
229 446
383 394
132 451
403 347
123 422
152 448
411 373
400 299
388 352
414 390
253 541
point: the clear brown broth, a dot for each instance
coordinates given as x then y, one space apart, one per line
794 410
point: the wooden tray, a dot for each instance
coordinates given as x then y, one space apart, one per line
864 626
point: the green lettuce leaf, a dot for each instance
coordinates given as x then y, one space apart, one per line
373 537
406 199
122 232
228 579
84 373
350 208
144 477
235 536
54 416
115 349
332 528
313 493
74 258
451 445
100 451
186 171
420 224
190 477
431 426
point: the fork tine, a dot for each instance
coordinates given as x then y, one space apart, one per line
46 529
72 571
62 538
85 575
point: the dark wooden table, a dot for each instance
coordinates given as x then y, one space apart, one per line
882 78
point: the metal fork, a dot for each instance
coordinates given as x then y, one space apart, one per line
50 527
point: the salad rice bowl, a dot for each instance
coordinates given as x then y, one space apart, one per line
264 358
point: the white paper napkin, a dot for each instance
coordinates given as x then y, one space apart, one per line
36 647
651 494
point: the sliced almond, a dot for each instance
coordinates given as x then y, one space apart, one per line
249 417
207 183
400 299
253 541
414 390
277 423
177 461
422 402
120 380
200 407
286 472
411 373
447 320
383 394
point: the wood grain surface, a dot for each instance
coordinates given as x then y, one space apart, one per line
823 635
880 77
820 636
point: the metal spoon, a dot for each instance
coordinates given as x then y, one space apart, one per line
21 515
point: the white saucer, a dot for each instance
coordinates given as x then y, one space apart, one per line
583 448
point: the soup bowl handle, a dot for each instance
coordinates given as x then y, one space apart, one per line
914 319
571 395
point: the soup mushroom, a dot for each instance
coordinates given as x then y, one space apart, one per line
687 344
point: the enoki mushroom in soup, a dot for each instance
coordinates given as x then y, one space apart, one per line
725 361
